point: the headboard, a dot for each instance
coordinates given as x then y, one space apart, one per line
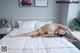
46 19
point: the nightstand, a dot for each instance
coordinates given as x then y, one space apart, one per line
4 31
76 34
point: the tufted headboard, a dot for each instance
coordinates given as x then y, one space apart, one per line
46 19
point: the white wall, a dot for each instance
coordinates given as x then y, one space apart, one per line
10 9
72 12
64 13
69 12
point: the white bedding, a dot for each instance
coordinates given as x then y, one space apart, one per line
37 45
17 31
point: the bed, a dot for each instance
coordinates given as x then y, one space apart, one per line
35 45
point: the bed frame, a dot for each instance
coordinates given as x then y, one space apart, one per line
46 19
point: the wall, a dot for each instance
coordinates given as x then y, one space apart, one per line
73 11
79 10
64 13
10 9
69 12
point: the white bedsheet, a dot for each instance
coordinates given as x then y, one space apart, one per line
38 45
17 31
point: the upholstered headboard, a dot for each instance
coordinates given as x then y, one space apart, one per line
46 19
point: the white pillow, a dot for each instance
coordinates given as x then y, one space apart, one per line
20 23
29 25
40 24
26 25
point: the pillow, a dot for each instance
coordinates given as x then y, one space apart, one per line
40 24
29 25
26 25
20 23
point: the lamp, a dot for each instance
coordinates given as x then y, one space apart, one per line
3 22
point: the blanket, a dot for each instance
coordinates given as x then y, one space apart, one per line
38 45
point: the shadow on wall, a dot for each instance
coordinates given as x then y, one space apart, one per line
78 14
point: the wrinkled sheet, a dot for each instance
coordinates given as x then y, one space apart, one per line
17 31
38 45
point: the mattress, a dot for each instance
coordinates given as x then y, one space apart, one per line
17 31
37 45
